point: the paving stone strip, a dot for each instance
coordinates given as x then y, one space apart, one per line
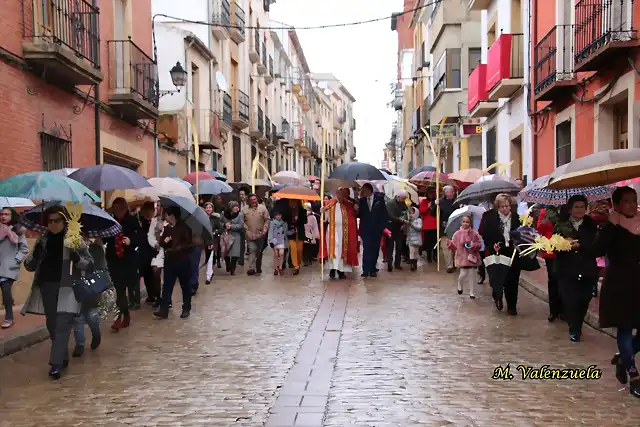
304 396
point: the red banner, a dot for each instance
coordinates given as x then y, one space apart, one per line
499 61
477 90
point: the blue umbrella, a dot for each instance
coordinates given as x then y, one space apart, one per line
46 186
109 177
15 202
194 216
182 181
217 175
212 187
536 192
95 222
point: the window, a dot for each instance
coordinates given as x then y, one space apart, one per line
171 170
491 146
55 152
475 57
237 159
563 143
448 72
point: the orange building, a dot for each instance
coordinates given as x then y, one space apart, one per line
585 75
55 57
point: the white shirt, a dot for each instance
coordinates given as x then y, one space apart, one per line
370 201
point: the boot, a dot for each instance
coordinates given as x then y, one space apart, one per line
117 325
126 320
259 265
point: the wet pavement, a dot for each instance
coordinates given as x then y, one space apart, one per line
400 350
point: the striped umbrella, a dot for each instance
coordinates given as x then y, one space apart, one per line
537 192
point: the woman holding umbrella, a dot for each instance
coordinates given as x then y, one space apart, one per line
495 228
56 267
13 249
233 224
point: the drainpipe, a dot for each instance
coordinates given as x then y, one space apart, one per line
533 26
97 105
186 99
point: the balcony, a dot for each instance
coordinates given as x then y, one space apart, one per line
336 123
505 66
553 72
262 65
254 47
268 78
477 97
265 138
305 147
221 19
285 134
208 124
299 134
133 81
274 137
257 124
296 82
240 118
398 100
479 4
63 38
353 124
227 111
236 30
353 154
603 28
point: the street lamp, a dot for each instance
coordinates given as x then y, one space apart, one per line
178 78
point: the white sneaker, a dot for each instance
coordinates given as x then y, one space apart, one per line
7 324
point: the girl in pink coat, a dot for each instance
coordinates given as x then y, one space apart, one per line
466 244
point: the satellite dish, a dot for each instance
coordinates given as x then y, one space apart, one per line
222 82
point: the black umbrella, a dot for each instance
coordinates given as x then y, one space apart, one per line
193 215
480 190
109 177
357 171
421 169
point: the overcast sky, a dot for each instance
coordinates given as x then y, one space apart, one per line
363 57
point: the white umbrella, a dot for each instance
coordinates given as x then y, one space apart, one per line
391 189
455 219
65 171
15 202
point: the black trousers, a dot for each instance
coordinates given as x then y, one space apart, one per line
370 252
396 241
125 279
482 272
230 263
555 299
309 251
151 284
510 289
429 240
576 295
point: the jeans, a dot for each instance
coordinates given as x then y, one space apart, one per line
7 298
255 253
89 316
370 252
60 340
628 346
181 271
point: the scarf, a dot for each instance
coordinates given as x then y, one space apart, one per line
505 225
632 225
576 223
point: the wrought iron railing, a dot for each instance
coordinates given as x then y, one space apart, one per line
270 66
274 134
72 23
599 22
238 18
260 121
132 70
221 14
55 152
240 105
227 108
552 57
267 127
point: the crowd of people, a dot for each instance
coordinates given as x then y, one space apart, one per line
157 246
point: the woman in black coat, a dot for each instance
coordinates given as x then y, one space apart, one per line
619 240
576 270
496 228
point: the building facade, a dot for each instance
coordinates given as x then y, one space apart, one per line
497 92
256 94
74 98
585 79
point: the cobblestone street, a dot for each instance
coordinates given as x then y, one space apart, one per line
401 350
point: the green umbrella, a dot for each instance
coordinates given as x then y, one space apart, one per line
46 186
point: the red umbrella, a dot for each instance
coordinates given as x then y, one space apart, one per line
312 178
429 178
202 176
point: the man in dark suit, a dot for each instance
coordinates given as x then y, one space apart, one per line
373 220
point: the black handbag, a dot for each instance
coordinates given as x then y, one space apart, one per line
91 286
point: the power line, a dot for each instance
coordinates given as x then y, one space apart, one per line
291 27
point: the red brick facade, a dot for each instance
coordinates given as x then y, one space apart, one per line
405 34
29 105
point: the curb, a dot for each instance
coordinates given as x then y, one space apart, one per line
590 319
34 336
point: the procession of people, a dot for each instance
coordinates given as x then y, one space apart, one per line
162 230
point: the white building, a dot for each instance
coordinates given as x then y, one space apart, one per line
500 85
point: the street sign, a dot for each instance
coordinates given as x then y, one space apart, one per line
472 129
449 130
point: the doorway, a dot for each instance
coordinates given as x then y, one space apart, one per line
516 157
621 126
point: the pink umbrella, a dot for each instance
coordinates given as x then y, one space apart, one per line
202 176
627 182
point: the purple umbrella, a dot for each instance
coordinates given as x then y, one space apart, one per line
109 177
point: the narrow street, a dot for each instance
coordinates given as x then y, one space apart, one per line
259 351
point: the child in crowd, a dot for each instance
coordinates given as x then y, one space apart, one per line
466 244
277 239
414 237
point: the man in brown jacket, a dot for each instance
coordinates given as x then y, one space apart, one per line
256 226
